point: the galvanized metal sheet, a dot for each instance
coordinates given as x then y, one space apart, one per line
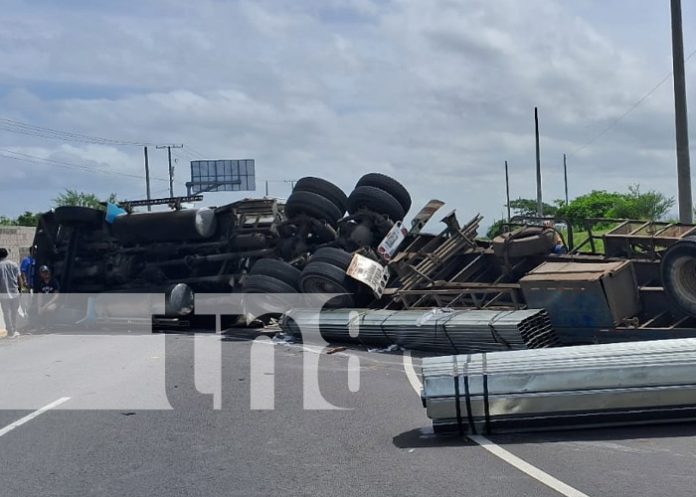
436 330
624 383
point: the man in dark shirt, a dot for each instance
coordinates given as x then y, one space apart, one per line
47 289
46 283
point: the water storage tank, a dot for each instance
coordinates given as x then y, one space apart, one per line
171 226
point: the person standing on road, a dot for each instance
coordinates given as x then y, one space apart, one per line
28 269
9 292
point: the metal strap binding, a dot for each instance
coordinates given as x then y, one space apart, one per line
486 406
359 320
444 329
457 396
467 394
381 328
469 415
457 406
494 332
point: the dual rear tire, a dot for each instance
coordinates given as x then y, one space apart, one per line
381 194
326 273
321 199
317 198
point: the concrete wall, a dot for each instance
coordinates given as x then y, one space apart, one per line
17 240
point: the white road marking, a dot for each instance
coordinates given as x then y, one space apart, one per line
411 372
497 450
525 467
31 416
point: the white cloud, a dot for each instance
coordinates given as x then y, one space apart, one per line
436 93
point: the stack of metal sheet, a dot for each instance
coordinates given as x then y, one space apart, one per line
437 330
584 386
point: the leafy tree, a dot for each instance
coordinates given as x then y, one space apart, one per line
495 229
597 203
648 206
27 219
81 199
528 207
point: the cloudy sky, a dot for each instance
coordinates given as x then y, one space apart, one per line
437 93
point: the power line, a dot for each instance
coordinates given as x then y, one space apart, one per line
642 99
196 152
70 165
185 155
20 127
158 192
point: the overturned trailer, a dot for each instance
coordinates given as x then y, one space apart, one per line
640 286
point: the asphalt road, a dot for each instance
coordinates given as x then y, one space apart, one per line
136 425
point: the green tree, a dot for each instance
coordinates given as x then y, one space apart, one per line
6 221
528 207
596 204
649 206
27 219
81 199
495 229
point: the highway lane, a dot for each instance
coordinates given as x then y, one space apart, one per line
379 444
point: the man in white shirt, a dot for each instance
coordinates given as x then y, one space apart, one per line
9 292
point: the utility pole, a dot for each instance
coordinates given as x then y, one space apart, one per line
540 204
171 169
565 177
147 179
267 188
680 117
507 190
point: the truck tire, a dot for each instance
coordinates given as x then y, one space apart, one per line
323 277
271 298
377 200
324 188
69 215
313 205
678 270
389 185
335 256
260 283
277 269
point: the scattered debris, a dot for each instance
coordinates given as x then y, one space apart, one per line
392 348
333 350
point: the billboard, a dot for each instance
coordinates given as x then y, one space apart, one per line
222 176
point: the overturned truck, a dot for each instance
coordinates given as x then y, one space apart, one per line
634 281
255 245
